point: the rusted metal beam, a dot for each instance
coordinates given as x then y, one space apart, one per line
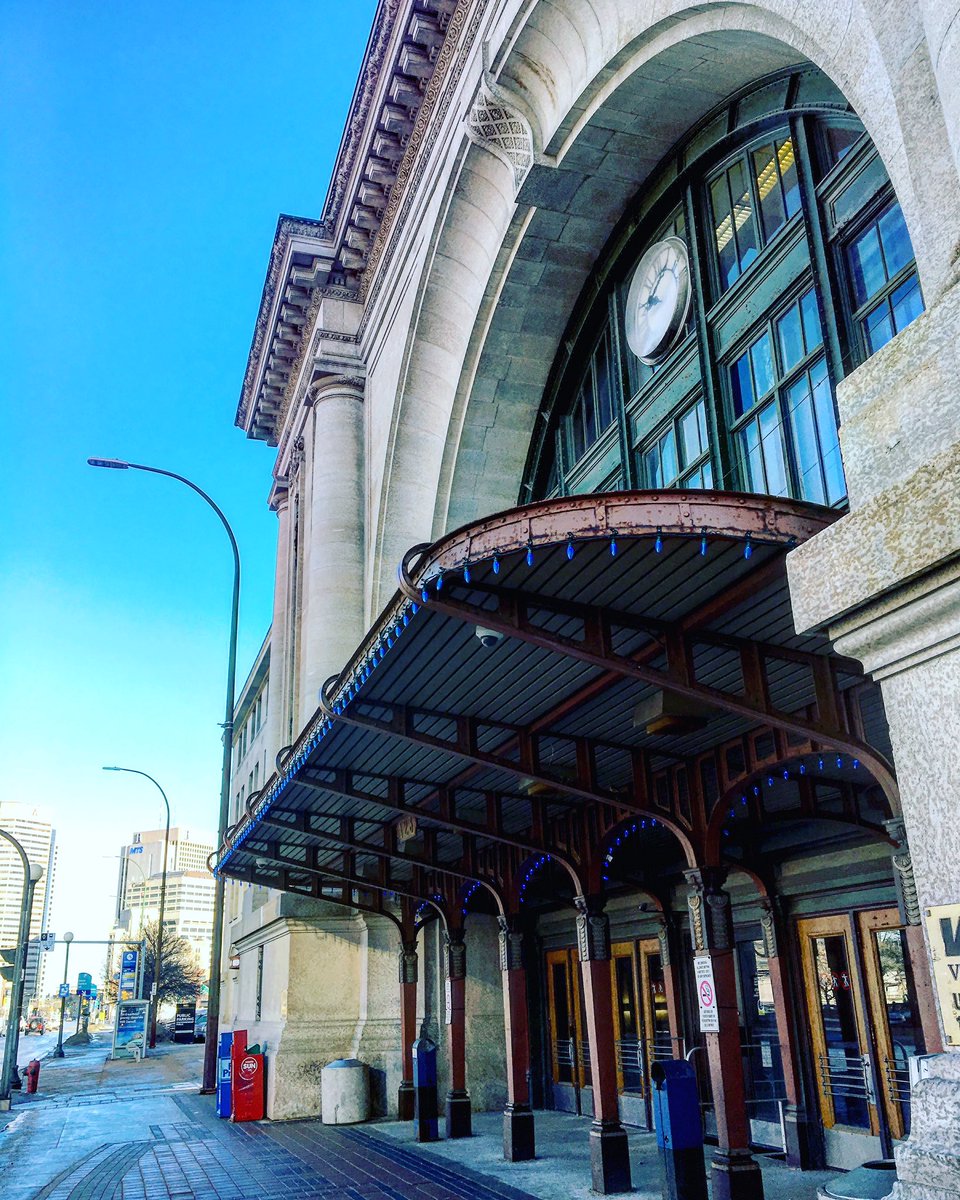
248 875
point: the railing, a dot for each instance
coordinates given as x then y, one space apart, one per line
896 1075
851 1081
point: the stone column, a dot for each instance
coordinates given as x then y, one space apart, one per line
518 1130
409 977
458 1110
735 1174
609 1152
795 1127
332 622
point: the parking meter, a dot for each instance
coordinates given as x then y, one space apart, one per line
425 1089
676 1113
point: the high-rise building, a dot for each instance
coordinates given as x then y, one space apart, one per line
37 836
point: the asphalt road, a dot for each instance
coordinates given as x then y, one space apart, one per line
32 1046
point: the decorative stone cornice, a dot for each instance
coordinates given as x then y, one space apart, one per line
496 123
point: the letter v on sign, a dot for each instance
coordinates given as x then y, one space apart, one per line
950 933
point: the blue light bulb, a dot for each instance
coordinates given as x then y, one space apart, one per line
570 550
466 573
613 547
440 581
529 556
424 595
658 544
496 565
703 545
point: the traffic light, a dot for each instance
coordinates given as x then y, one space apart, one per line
10 962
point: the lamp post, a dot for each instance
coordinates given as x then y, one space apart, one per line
68 938
31 877
158 959
216 946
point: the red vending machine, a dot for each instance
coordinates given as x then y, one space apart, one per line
249 1097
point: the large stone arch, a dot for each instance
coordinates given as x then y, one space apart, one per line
606 88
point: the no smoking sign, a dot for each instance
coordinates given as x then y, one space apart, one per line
706 994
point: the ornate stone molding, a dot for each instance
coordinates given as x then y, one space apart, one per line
907 899
409 972
455 956
768 927
511 946
593 930
711 921
496 123
663 936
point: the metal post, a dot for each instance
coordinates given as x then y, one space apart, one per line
158 960
68 938
31 874
216 947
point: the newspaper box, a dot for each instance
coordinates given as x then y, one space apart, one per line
247 1087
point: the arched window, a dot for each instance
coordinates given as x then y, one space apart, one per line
763 261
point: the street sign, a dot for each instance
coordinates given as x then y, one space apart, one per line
64 991
48 940
84 980
129 964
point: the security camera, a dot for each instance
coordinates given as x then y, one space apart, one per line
488 637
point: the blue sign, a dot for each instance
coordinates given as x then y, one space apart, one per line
130 1032
129 960
64 990
135 850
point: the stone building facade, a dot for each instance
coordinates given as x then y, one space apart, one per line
656 256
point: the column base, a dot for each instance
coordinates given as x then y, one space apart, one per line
735 1175
609 1158
405 1101
797 1137
518 1137
459 1115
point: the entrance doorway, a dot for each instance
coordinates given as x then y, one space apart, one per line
569 1048
864 1025
641 1024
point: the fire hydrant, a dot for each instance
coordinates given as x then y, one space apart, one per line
33 1075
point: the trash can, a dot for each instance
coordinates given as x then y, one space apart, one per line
344 1092
676 1113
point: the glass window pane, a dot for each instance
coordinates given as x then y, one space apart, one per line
604 388
772 212
706 472
906 303
788 174
743 217
589 413
896 241
806 446
790 337
878 327
761 356
838 142
668 457
812 333
651 467
753 477
742 385
771 437
692 425
827 432
575 434
866 265
723 232
843 1067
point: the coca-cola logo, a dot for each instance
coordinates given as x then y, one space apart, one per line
248 1067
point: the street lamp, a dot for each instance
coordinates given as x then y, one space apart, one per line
158 960
216 946
68 938
32 874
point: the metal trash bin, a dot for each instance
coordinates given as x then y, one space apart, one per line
344 1092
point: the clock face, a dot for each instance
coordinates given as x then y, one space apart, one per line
658 300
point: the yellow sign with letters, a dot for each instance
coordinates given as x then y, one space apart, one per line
943 930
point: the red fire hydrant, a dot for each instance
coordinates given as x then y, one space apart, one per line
33 1075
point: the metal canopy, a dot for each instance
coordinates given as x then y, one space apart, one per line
494 700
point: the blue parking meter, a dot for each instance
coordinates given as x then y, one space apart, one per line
425 1089
676 1114
224 1084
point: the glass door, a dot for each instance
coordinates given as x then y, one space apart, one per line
567 1033
892 1001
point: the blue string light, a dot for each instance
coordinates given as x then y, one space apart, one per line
496 565
531 871
529 555
613 545
466 572
424 595
658 544
703 544
440 581
570 549
747 549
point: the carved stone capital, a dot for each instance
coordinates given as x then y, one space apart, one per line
511 946
663 936
593 930
496 122
768 927
455 956
408 962
711 921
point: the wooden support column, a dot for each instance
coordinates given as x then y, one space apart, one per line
609 1153
796 1129
735 1174
671 987
909 905
408 1026
518 1131
458 1101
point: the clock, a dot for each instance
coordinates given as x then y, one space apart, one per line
658 300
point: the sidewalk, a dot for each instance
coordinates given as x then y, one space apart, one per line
127 1131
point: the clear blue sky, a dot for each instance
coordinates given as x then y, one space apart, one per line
145 152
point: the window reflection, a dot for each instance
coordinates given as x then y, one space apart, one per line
680 454
886 295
